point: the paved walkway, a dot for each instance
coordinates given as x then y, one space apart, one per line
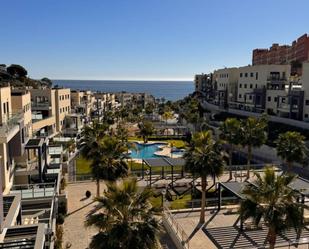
221 230
78 206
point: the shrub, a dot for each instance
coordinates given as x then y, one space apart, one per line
88 194
62 208
60 219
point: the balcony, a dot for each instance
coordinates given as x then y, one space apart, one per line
10 126
40 106
287 108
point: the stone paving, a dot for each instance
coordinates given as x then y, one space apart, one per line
78 206
221 230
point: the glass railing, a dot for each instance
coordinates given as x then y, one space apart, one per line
40 104
9 121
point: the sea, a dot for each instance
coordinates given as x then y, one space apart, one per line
170 90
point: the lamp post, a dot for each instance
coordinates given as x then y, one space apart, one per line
147 173
163 193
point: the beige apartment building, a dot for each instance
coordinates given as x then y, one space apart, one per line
272 89
63 106
225 85
15 129
49 108
82 102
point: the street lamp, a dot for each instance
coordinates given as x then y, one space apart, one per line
163 192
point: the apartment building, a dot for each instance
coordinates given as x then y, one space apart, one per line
225 86
63 106
49 109
271 89
13 136
283 54
82 102
134 99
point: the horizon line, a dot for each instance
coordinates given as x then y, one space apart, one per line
184 80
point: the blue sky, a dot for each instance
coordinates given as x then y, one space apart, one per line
142 39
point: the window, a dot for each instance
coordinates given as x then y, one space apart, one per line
251 85
256 75
245 85
250 97
239 96
307 101
240 85
246 75
240 75
276 99
269 98
4 108
306 115
255 85
251 74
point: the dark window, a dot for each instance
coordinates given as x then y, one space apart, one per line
246 75
240 75
276 99
255 85
240 85
251 85
245 85
256 75
307 101
4 108
239 95
269 98
306 115
251 74
250 97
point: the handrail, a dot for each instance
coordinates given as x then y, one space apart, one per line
177 228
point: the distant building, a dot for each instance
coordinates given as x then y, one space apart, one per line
283 54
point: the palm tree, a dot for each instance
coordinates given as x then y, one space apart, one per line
124 218
291 147
108 160
252 134
203 159
167 115
230 134
270 199
146 129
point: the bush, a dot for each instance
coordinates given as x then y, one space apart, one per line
88 194
62 208
60 219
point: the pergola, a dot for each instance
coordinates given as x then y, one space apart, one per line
299 185
162 163
178 130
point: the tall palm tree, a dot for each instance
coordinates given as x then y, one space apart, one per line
124 218
291 147
108 160
204 158
270 199
252 134
230 134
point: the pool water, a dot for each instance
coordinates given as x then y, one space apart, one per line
145 151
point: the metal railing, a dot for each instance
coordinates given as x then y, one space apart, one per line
176 228
35 190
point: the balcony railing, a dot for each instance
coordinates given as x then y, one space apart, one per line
287 107
9 121
40 104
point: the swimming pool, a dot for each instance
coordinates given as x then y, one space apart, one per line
145 151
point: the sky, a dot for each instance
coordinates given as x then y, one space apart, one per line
142 39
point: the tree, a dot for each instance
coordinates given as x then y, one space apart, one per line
146 129
91 136
230 134
167 115
291 147
252 134
125 218
47 82
17 71
204 158
149 108
271 199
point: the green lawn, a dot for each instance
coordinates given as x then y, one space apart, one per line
180 144
180 203
82 166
